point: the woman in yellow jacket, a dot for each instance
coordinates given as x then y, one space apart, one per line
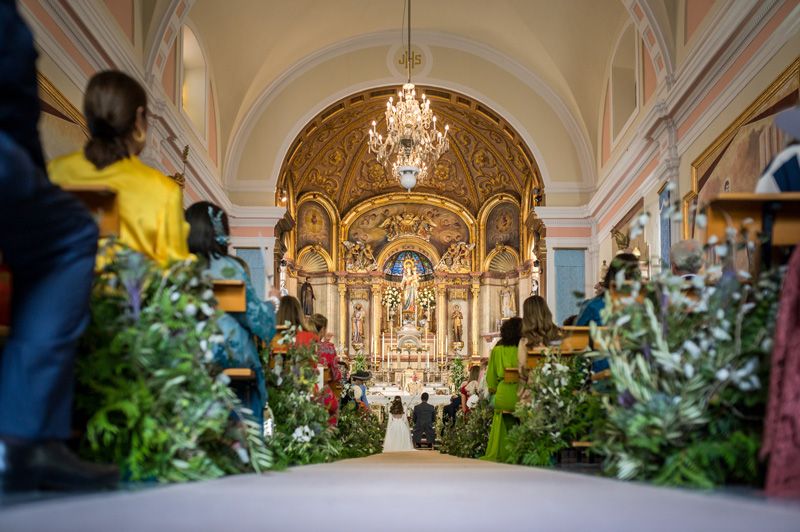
150 203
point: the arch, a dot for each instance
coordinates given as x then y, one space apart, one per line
483 216
195 84
568 116
647 23
502 259
333 213
392 268
314 259
408 244
167 31
624 79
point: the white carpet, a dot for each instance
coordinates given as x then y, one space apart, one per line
405 491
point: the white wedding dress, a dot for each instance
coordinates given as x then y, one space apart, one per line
398 435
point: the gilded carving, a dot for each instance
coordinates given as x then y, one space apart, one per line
358 257
502 226
457 258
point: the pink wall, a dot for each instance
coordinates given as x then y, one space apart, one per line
583 232
649 80
58 34
212 126
168 79
696 11
736 67
122 11
252 231
605 152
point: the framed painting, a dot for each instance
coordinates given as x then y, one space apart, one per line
736 159
62 127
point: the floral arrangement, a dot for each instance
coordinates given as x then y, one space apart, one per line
391 298
560 409
301 433
687 366
360 432
427 298
469 435
148 392
457 373
360 361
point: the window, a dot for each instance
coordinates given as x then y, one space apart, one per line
623 81
194 81
569 266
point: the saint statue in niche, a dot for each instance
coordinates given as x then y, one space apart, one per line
358 324
507 309
307 298
458 324
409 285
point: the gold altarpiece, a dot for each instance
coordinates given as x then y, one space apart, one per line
410 280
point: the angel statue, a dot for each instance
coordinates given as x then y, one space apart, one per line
457 258
358 256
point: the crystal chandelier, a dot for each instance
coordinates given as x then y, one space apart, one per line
412 142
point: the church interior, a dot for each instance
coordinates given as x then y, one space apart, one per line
254 249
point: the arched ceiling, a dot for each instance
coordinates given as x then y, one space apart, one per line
486 155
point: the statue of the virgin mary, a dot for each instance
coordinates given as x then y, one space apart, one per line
409 285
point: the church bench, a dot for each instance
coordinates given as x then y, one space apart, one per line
230 295
102 203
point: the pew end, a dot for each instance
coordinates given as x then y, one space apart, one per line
102 203
230 295
240 374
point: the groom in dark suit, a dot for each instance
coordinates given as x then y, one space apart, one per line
424 415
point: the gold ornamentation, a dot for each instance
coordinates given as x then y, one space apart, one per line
358 257
457 258
457 294
359 293
408 224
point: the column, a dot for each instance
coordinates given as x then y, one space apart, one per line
377 310
343 315
442 324
476 292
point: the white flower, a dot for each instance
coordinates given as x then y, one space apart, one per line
216 339
208 294
175 296
688 370
199 326
242 453
194 282
190 310
625 318
721 250
692 348
712 240
223 379
207 310
723 374
701 220
203 345
303 434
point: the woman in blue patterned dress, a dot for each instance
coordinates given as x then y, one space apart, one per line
209 239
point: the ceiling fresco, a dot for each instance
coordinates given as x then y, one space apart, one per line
486 155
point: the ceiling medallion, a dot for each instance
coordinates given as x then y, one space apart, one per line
412 142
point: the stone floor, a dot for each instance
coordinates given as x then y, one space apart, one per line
421 490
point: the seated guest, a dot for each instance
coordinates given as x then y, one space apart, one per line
449 412
569 321
627 263
590 309
504 356
209 239
326 358
686 258
150 203
783 172
49 241
359 380
290 314
538 330
469 388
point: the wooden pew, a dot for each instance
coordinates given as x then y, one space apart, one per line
102 203
775 216
230 295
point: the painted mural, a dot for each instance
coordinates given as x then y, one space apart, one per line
502 227
737 159
313 226
436 225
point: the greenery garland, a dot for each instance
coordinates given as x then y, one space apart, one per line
469 435
360 431
152 400
560 409
301 433
457 373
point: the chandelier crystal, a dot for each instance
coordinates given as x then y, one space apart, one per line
412 143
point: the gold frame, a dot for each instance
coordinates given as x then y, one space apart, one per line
483 215
792 70
408 243
65 106
333 214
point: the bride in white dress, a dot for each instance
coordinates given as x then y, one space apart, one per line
398 435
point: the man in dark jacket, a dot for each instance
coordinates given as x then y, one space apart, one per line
424 416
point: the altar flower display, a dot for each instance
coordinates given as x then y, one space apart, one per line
391 298
427 298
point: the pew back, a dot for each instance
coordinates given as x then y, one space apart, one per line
230 295
102 203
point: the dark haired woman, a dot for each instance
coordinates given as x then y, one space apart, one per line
290 314
503 384
209 239
150 203
326 357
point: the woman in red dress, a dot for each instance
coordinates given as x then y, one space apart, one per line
326 357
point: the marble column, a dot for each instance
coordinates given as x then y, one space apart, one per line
476 292
441 322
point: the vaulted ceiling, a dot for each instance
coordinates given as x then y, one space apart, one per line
486 155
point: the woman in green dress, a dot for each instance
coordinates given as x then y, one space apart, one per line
504 387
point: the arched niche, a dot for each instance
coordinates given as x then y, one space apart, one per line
314 259
317 224
393 267
500 222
